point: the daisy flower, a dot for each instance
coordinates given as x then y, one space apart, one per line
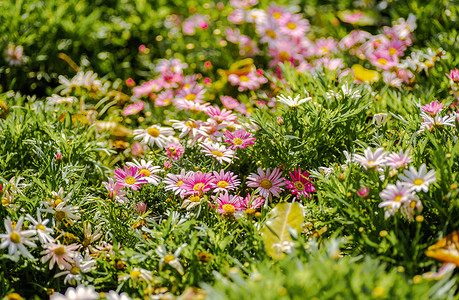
146 170
394 195
229 102
225 181
79 266
59 254
39 226
300 184
197 183
80 292
229 205
217 151
191 202
112 295
293 25
433 108
430 123
167 258
154 135
453 75
90 237
398 160
174 150
269 182
137 275
191 128
212 130
64 213
56 99
245 82
220 115
165 98
16 239
292 103
419 180
193 93
133 109
174 182
129 177
191 106
251 203
115 191
370 159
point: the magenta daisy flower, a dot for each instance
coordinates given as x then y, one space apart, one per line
225 181
217 151
433 108
269 182
197 183
251 203
238 139
229 205
146 170
133 109
300 184
174 150
220 115
129 177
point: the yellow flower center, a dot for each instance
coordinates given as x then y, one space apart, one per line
277 15
237 141
190 97
418 181
198 186
57 201
271 34
5 202
135 274
15 237
59 251
169 258
250 211
398 198
222 184
217 153
284 56
154 132
129 180
41 227
191 125
75 270
299 186
179 183
291 26
266 184
144 173
392 51
60 215
229 208
195 199
413 204
382 61
244 78
324 49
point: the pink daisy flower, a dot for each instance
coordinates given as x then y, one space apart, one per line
238 139
165 98
269 182
229 102
398 160
62 255
190 128
129 177
229 205
225 181
251 203
193 93
115 191
220 115
146 170
371 160
154 85
133 109
293 25
212 130
217 151
174 182
174 150
433 108
453 75
190 106
250 81
197 183
300 184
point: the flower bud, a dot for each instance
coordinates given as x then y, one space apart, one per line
380 119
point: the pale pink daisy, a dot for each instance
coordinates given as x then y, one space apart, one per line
194 93
165 98
300 183
174 182
398 160
293 25
197 183
129 177
154 135
145 89
191 128
433 108
133 109
419 180
16 239
325 46
225 181
115 191
59 254
174 150
239 139
229 102
191 106
217 151
268 183
251 203
212 130
229 205
430 123
146 170
220 115
394 195
248 81
370 159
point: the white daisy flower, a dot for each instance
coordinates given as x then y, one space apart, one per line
79 265
169 258
217 151
62 255
370 159
40 229
16 239
292 102
154 135
78 293
112 295
419 180
147 170
174 181
138 274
